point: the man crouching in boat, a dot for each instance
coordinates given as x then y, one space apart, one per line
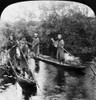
60 51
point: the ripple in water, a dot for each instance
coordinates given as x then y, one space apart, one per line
13 92
46 80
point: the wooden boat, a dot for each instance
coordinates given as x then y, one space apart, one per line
56 63
26 84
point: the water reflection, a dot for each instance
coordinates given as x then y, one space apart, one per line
13 92
46 82
74 86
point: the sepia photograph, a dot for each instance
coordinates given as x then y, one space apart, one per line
48 51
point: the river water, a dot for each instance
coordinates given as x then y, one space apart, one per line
53 84
14 92
46 82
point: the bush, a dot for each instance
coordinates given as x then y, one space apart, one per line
78 32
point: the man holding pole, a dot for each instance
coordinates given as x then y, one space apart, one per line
60 50
35 44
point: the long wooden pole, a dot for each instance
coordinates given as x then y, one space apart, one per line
29 68
62 48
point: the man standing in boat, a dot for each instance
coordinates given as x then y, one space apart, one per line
35 44
59 44
11 47
24 47
23 60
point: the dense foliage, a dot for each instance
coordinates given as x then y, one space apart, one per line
78 32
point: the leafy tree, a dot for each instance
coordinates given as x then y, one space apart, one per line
78 32
77 29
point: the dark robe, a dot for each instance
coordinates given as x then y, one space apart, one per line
12 49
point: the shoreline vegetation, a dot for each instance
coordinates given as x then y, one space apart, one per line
78 32
77 29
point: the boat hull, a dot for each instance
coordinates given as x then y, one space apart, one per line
64 66
27 85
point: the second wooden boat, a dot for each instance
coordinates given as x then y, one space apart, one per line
56 63
26 84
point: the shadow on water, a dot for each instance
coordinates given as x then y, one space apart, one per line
64 84
5 83
27 94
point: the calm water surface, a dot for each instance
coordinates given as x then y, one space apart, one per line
45 79
48 78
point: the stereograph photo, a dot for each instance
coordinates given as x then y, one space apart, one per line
48 51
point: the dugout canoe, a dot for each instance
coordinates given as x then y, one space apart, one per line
25 84
56 63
